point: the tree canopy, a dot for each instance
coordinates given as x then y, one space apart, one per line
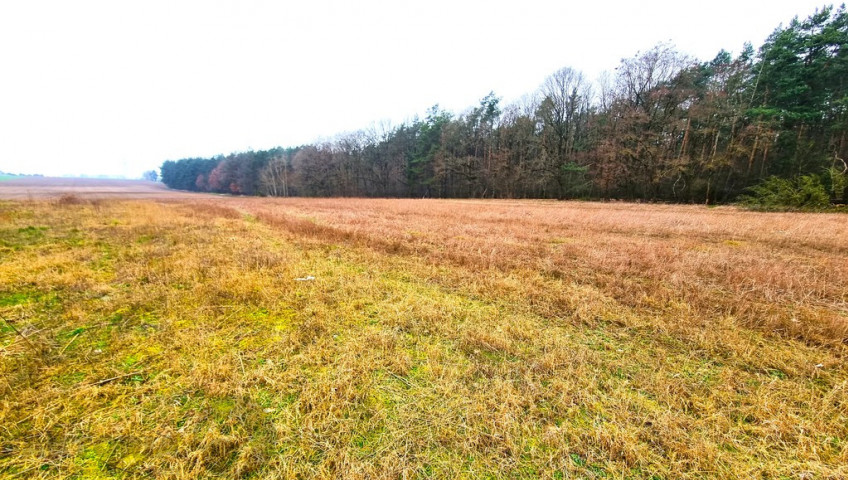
662 127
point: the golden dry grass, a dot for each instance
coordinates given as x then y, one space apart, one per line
439 339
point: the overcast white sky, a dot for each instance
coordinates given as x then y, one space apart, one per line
117 87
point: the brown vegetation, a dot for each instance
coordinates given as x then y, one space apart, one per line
438 339
780 272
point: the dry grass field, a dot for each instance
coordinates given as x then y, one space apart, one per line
218 337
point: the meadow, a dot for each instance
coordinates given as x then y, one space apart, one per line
229 337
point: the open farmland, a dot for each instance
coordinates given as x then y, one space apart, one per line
31 188
172 338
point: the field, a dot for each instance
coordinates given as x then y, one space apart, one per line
169 335
31 188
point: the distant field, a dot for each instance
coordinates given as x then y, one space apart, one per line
192 336
23 188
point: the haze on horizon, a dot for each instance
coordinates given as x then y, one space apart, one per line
108 88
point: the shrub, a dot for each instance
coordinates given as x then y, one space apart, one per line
805 192
838 184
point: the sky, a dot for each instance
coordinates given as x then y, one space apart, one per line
117 87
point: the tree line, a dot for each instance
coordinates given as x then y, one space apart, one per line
662 126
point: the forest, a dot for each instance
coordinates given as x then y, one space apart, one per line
767 125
